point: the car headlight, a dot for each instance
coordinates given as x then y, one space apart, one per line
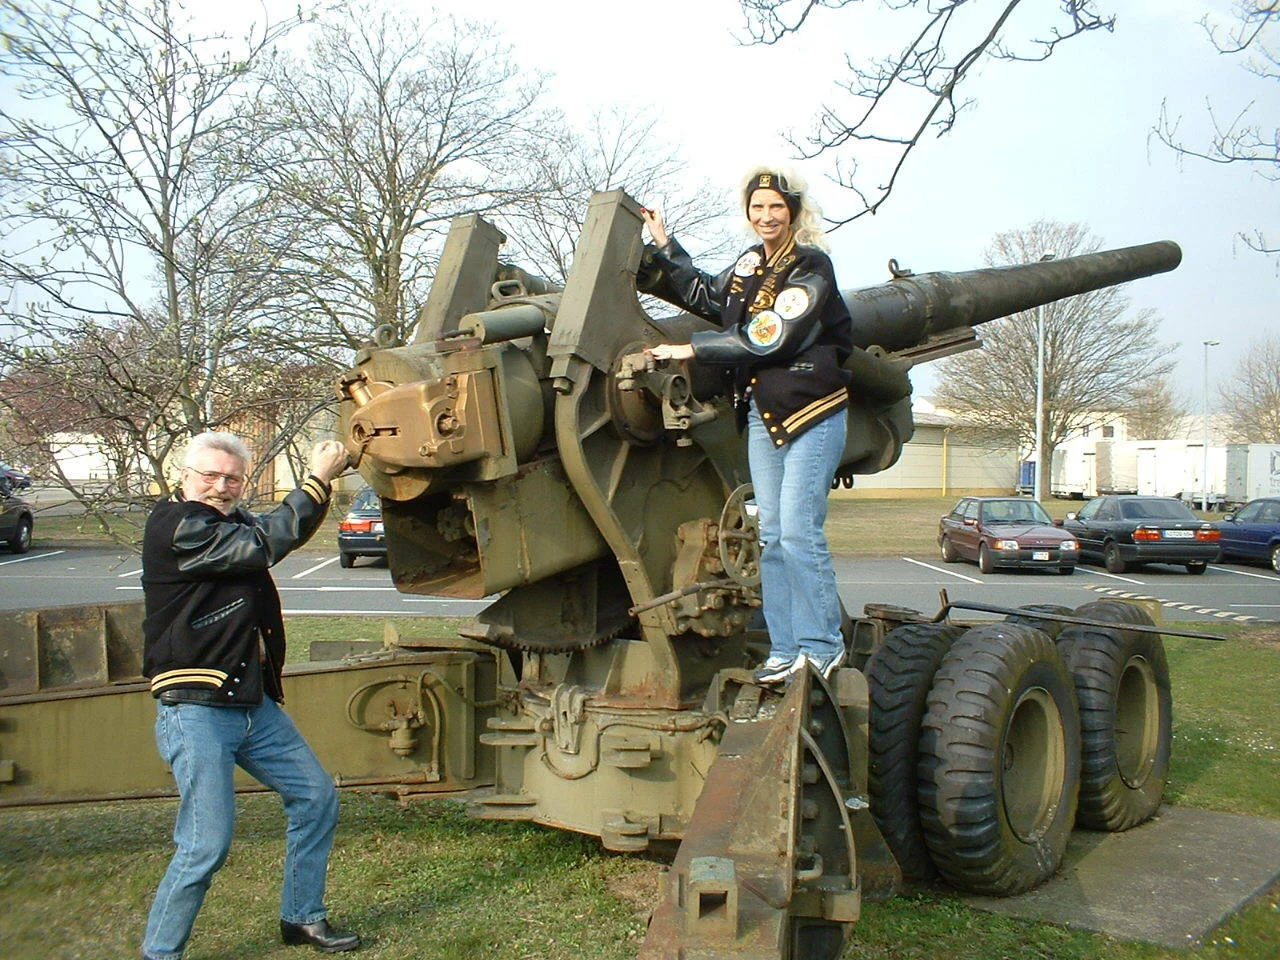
1069 545
1006 544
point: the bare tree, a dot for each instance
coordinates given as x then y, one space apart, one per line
619 149
1155 406
386 129
894 103
1097 355
1251 400
136 286
1239 137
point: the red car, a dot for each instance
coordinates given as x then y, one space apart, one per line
1006 533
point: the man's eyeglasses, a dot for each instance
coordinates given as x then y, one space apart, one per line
211 477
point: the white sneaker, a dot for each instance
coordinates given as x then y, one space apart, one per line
826 665
778 669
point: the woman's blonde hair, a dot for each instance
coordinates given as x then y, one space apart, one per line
806 222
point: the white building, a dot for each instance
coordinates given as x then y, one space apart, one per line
935 464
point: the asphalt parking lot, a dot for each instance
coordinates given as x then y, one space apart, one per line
313 583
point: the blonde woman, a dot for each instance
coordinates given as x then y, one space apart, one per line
785 328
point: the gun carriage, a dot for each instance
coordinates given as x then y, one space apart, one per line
525 450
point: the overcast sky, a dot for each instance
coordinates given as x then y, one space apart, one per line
1067 139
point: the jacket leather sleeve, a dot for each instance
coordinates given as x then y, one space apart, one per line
207 546
668 273
769 335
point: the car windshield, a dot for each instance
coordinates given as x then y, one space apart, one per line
1155 510
366 499
1014 511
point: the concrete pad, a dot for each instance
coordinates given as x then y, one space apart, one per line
1169 881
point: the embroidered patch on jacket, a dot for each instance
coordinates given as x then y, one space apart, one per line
747 264
765 329
792 302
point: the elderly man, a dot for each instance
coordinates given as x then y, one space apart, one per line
214 653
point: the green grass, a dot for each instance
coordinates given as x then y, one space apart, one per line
425 882
301 631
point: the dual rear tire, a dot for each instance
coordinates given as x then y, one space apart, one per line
999 761
988 745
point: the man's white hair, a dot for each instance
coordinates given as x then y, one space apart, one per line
216 440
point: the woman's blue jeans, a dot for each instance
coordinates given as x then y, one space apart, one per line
202 745
801 606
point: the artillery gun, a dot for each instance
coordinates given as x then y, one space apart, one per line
524 445
526 450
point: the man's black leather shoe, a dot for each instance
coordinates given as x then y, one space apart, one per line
319 935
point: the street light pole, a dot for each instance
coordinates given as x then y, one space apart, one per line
1040 472
1204 474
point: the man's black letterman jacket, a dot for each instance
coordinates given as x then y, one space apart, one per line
211 606
782 322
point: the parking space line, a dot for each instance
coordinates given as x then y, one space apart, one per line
131 573
1110 576
288 612
318 566
284 589
31 556
1246 573
1186 607
951 573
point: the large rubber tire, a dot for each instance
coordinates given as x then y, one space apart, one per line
948 549
900 673
1051 627
999 761
21 541
1112 560
1122 686
985 563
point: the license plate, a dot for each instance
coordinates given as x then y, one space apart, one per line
1179 534
1040 555
377 527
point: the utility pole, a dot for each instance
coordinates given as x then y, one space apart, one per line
1204 474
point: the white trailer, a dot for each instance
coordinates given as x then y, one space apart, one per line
1115 467
1253 470
1174 468
1071 477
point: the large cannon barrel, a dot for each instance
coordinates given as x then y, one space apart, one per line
908 310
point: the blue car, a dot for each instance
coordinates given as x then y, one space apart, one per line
1253 532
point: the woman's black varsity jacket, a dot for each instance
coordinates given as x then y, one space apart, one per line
211 605
782 321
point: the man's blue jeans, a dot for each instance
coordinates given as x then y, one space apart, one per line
801 606
202 745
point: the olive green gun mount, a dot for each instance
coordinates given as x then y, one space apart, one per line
525 448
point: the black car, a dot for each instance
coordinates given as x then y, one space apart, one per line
13 478
1008 532
16 522
360 531
1253 532
1123 531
